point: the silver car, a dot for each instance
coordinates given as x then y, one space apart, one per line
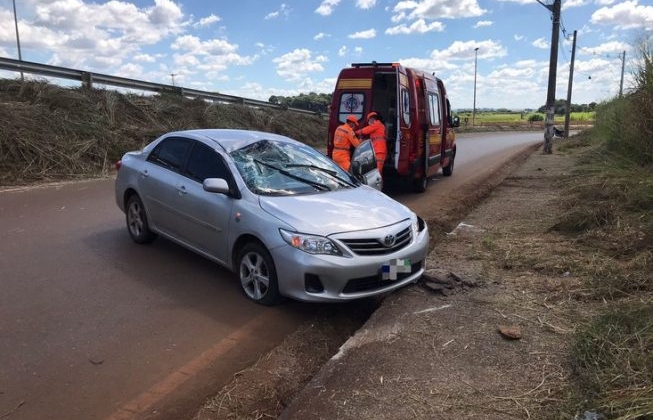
281 215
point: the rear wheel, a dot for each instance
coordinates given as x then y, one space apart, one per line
137 225
448 170
420 184
258 276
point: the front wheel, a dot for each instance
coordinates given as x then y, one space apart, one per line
258 276
137 225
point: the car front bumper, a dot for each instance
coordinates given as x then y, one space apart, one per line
344 279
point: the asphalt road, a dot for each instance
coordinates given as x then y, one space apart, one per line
93 326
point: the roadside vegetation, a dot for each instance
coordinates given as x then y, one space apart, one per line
610 211
52 133
602 240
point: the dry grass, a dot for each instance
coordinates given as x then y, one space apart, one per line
602 237
51 133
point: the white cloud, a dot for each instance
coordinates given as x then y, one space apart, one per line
284 10
446 59
206 21
342 51
541 43
417 27
296 64
483 24
326 7
193 45
519 37
83 35
528 2
321 35
211 57
130 70
606 48
368 34
145 58
464 50
626 15
568 4
365 4
437 9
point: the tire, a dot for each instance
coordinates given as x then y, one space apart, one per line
257 274
420 184
137 224
448 170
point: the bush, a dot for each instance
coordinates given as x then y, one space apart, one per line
535 117
626 124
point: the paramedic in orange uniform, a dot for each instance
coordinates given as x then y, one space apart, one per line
375 130
344 140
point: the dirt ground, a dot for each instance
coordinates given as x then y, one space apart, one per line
485 334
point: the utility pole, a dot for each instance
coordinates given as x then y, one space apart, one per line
553 64
20 57
623 65
172 76
475 67
571 78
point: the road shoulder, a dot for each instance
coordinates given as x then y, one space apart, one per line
481 336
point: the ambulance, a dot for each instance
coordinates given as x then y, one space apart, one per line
415 109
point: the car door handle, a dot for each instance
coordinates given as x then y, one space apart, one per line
182 189
145 174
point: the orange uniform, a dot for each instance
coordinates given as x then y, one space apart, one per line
344 140
376 133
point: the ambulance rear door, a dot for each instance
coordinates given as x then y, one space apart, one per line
350 97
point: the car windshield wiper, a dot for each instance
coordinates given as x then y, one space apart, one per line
313 184
331 172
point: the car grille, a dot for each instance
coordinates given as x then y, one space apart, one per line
374 246
364 284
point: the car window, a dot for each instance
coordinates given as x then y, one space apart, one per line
364 154
170 153
434 109
205 162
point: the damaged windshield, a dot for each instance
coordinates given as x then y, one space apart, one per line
279 168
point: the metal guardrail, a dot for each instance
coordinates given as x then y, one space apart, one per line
88 79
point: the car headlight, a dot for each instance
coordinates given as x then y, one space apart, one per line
417 225
311 244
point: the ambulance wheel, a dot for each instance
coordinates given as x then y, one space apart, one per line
420 184
448 170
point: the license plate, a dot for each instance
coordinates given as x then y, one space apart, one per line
391 269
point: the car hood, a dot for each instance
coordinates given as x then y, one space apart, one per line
337 211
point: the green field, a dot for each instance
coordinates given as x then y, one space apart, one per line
521 118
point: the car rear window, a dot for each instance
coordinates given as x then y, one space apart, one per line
170 153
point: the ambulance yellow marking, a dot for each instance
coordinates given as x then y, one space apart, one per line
354 84
434 139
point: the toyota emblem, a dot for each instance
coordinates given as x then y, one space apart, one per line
389 240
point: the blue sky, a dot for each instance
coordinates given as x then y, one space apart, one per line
259 48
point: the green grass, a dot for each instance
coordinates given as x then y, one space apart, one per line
610 211
520 118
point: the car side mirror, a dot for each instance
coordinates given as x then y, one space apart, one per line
455 121
216 185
